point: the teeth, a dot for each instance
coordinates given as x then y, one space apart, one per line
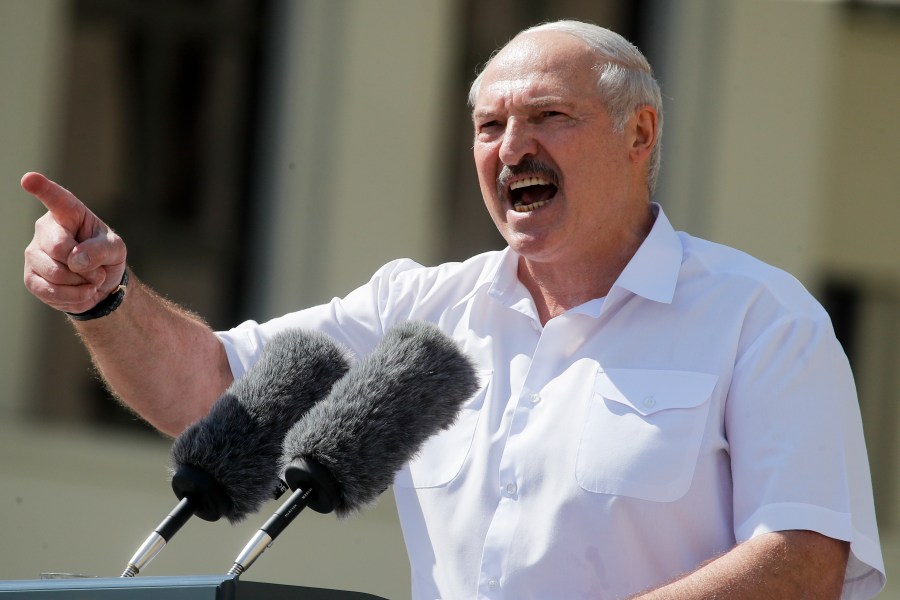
530 207
528 181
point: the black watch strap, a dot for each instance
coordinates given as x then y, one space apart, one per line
107 305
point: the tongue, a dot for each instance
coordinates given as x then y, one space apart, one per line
533 193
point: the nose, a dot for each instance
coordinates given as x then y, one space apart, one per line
518 142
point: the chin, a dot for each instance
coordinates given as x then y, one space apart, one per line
531 248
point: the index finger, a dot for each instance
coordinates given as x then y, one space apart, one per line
67 210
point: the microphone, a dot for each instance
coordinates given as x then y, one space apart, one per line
227 463
346 450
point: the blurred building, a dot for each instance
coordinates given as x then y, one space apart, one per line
261 156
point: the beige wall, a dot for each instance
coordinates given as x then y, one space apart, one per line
862 178
748 105
354 159
31 41
766 183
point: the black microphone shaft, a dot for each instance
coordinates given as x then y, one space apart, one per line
157 540
271 529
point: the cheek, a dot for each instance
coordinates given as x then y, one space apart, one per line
486 168
598 167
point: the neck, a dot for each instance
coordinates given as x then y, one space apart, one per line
559 286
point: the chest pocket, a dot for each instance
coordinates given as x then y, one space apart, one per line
442 456
643 433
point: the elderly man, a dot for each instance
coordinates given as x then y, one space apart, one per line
659 416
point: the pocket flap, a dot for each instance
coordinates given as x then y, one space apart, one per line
648 390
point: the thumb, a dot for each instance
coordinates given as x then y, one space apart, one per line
106 249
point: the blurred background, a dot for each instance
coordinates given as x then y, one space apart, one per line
260 156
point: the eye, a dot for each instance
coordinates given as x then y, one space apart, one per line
488 129
551 114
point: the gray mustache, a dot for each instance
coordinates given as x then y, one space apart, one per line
530 166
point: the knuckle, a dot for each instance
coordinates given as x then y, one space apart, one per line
29 278
39 288
57 272
30 250
41 221
58 244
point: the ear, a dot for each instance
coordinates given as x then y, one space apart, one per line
643 130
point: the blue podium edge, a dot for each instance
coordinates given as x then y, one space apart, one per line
111 583
225 586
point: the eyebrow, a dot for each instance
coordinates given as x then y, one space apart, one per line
546 101
537 103
482 114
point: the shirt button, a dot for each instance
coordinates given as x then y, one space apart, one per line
535 398
649 401
511 489
493 584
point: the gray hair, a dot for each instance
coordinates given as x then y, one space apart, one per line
626 80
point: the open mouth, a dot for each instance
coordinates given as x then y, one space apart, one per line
531 193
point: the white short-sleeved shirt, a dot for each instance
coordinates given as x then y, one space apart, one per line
704 401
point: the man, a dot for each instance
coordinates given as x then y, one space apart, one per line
659 416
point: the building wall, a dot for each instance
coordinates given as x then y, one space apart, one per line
355 137
31 42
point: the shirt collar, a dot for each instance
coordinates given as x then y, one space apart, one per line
652 272
506 287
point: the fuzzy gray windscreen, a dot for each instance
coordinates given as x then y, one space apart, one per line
239 442
377 417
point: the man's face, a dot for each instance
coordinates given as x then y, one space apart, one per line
556 178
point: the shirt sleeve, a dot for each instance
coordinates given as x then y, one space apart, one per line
796 441
356 321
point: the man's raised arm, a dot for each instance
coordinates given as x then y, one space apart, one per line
162 361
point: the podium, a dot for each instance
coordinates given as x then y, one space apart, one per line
199 587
